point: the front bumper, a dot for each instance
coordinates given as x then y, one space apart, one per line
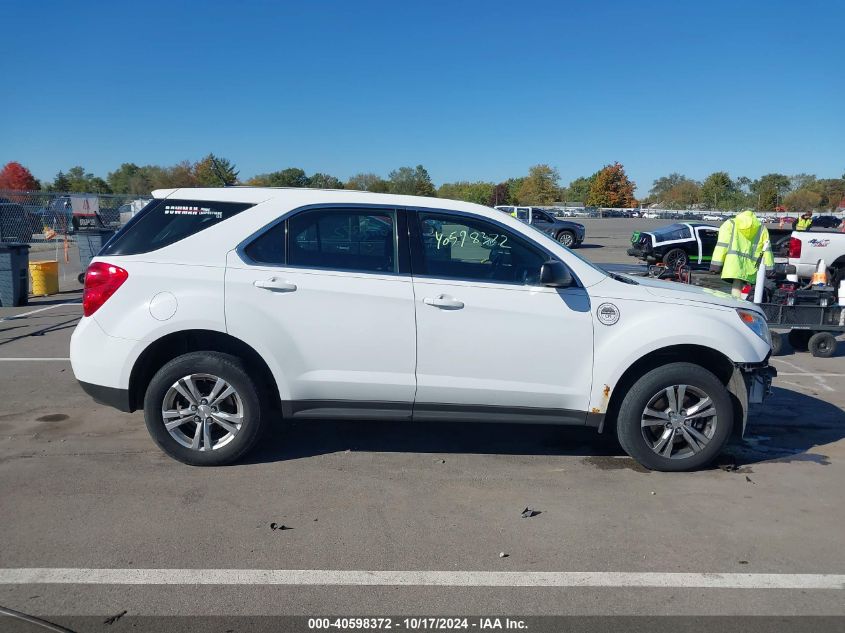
758 380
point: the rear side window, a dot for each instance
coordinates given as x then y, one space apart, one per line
361 240
269 247
164 222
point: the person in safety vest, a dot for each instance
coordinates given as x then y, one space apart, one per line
804 222
740 250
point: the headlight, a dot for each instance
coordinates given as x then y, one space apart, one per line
756 322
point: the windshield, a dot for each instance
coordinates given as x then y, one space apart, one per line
672 232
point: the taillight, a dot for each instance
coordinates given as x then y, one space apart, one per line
101 281
794 247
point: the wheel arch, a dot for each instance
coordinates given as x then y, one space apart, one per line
708 358
176 344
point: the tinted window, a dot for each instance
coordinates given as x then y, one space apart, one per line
541 216
343 239
459 247
672 232
269 247
165 221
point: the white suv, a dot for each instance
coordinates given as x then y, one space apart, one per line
221 311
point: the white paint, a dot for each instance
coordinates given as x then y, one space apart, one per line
26 314
412 578
24 360
796 373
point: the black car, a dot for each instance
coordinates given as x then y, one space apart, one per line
826 222
570 234
681 244
16 223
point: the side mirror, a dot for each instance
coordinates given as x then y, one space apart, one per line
555 275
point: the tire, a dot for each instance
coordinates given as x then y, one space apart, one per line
188 442
566 238
777 343
81 277
675 258
799 339
822 344
708 433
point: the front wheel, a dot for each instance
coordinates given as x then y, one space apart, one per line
676 417
566 238
203 409
822 344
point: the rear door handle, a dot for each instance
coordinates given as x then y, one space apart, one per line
444 301
275 284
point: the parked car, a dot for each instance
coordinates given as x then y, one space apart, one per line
679 244
221 311
711 217
826 221
16 223
570 234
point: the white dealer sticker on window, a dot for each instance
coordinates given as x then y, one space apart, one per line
183 209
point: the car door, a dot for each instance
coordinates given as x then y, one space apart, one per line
491 342
707 238
326 296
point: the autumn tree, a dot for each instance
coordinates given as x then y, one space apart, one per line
664 184
611 188
802 200
500 195
16 176
215 171
683 195
540 186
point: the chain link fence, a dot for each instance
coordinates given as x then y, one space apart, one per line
35 217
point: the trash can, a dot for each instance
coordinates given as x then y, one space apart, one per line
14 275
45 277
89 242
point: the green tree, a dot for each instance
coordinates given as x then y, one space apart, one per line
367 182
120 180
801 181
478 192
540 186
411 181
215 171
290 177
324 181
500 195
770 190
611 188
579 189
718 191
60 183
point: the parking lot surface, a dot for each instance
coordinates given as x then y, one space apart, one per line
88 500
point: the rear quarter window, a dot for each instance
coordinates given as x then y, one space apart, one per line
165 221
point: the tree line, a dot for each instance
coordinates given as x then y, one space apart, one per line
607 187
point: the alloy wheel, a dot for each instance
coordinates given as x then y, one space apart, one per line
565 238
202 412
679 421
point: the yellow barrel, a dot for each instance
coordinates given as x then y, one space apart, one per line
45 277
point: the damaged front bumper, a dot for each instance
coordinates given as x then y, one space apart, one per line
750 384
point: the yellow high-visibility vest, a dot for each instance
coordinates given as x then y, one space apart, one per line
739 249
803 224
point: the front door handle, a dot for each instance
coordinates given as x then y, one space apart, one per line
444 301
275 284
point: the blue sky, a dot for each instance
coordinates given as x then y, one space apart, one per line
472 90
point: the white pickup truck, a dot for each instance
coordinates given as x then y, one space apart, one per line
806 248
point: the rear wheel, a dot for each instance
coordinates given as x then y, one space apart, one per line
203 409
822 344
676 417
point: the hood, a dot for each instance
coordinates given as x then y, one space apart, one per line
747 224
685 292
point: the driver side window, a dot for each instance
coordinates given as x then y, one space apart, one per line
460 247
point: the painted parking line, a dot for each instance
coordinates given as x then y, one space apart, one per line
26 360
330 577
801 373
31 312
